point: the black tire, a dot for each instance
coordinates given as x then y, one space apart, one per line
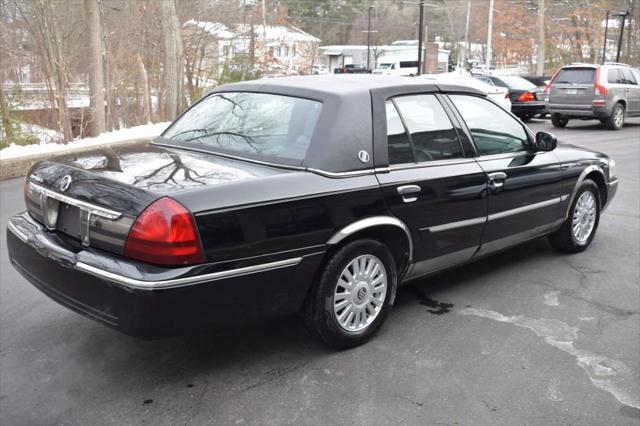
564 239
559 121
616 119
526 117
319 315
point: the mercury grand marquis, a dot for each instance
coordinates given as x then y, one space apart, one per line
317 195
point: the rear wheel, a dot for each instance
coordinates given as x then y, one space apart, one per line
580 227
526 117
354 294
559 121
616 120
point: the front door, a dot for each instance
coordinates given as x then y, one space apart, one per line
524 187
432 185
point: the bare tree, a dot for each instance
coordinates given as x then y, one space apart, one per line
42 25
173 72
96 77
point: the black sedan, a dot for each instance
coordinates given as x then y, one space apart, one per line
527 99
316 194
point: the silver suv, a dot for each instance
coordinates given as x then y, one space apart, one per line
607 92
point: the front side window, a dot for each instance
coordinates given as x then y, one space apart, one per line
494 131
432 134
255 123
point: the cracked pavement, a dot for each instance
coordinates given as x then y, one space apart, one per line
528 336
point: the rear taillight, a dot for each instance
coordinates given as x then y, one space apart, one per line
526 97
547 89
165 233
599 89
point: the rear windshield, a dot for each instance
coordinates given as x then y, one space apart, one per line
576 76
517 83
254 123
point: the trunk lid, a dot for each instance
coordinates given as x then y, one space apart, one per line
95 197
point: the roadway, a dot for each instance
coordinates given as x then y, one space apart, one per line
529 336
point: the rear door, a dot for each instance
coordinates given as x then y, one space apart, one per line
632 90
524 188
573 87
434 185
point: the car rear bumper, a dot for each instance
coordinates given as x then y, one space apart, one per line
148 301
580 111
528 108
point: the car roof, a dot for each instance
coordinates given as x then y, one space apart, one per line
336 84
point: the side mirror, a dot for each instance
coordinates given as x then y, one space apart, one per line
545 142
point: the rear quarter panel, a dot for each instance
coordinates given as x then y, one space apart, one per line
286 215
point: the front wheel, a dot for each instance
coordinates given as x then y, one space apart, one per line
616 120
580 227
354 294
559 121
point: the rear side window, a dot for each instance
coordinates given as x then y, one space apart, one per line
494 131
399 147
628 77
614 76
576 76
431 133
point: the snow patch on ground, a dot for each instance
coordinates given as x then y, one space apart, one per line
551 298
605 373
47 143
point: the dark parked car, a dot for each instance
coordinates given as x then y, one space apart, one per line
352 69
527 100
316 194
539 81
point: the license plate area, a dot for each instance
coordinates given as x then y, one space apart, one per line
571 91
70 220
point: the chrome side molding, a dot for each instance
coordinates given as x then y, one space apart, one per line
371 222
528 207
181 282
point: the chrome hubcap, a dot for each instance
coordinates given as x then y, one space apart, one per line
360 293
584 217
617 118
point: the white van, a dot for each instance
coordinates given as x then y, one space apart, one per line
396 66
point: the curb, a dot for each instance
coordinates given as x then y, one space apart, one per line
19 166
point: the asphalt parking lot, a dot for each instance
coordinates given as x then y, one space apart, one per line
529 336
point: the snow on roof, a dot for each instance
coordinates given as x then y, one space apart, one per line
216 29
274 32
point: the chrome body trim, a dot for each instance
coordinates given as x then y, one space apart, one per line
325 173
91 208
455 225
529 207
583 175
181 282
371 222
435 163
14 229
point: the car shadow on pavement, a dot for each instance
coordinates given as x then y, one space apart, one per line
255 346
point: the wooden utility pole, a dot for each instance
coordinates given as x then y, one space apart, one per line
541 40
489 37
173 71
96 76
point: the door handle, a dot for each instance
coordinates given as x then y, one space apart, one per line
406 190
496 180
